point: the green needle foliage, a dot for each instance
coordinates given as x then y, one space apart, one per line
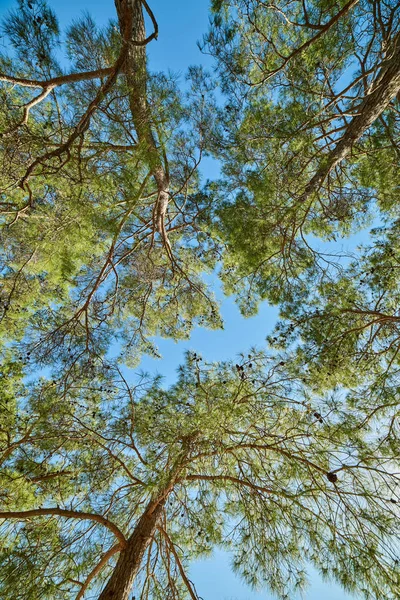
310 134
239 456
111 484
81 252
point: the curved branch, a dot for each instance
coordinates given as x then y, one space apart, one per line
322 30
36 100
69 514
153 19
103 561
84 121
127 11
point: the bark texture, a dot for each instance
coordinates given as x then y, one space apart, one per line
131 22
121 581
385 87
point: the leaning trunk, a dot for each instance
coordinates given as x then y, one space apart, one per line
121 581
130 14
385 87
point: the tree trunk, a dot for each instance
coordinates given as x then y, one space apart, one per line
120 584
385 87
121 581
136 76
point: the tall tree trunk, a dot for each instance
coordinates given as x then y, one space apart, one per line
121 581
130 14
384 88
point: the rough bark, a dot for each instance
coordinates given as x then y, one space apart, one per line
97 569
130 12
385 87
121 581
120 584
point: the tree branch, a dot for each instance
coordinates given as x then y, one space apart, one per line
253 486
103 561
36 100
383 89
84 121
130 15
57 81
322 30
186 580
68 514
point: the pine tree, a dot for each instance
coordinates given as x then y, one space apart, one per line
120 486
100 189
310 144
285 459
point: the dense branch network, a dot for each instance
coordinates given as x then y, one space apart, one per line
112 482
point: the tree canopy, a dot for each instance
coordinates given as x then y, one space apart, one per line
111 482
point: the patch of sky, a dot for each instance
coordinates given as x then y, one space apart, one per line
238 335
212 583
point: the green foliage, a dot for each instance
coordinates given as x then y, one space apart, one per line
34 34
290 102
80 250
284 459
249 461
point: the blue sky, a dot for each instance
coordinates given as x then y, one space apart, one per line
181 24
